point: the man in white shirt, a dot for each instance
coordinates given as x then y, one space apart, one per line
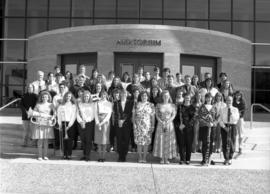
229 117
39 84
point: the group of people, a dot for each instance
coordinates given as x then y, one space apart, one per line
164 115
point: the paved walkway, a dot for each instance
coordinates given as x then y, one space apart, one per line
22 173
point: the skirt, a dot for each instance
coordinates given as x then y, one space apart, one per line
42 132
102 137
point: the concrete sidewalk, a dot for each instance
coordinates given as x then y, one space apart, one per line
22 173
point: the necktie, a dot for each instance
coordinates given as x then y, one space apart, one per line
229 115
39 86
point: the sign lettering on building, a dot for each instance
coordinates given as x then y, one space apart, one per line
138 42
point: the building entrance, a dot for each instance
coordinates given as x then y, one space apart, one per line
130 62
199 65
72 62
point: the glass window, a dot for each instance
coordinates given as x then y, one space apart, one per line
82 8
174 22
262 10
198 24
128 8
151 8
15 8
263 32
261 86
14 28
104 21
37 8
243 29
263 55
59 8
128 21
58 23
36 25
221 26
197 9
105 8
174 9
151 22
14 50
243 10
81 22
220 9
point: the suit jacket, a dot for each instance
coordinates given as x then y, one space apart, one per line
120 114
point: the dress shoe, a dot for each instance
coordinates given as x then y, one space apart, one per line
187 162
230 162
181 162
212 162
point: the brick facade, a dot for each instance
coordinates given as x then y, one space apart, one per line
234 53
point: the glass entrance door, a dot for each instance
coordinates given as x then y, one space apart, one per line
72 62
198 65
130 62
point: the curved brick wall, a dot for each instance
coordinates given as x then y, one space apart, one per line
234 52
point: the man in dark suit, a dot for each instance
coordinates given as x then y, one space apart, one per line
122 115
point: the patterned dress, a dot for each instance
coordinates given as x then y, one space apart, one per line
43 130
142 123
165 141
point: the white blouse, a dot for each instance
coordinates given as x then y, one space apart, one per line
86 112
103 107
68 113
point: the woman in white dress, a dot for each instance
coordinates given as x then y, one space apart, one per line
44 113
102 128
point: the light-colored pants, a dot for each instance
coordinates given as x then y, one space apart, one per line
27 132
240 131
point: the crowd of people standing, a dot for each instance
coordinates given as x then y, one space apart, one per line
165 115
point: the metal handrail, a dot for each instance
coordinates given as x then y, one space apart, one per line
13 101
251 112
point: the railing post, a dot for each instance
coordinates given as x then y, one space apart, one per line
251 117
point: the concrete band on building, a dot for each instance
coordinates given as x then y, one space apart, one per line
233 54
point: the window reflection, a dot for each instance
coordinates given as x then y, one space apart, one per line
14 50
220 9
174 9
244 29
58 23
262 10
36 25
104 21
14 28
37 7
174 22
105 8
263 56
59 8
15 8
151 8
197 9
262 32
198 24
151 22
81 22
82 8
128 8
128 21
221 26
243 10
